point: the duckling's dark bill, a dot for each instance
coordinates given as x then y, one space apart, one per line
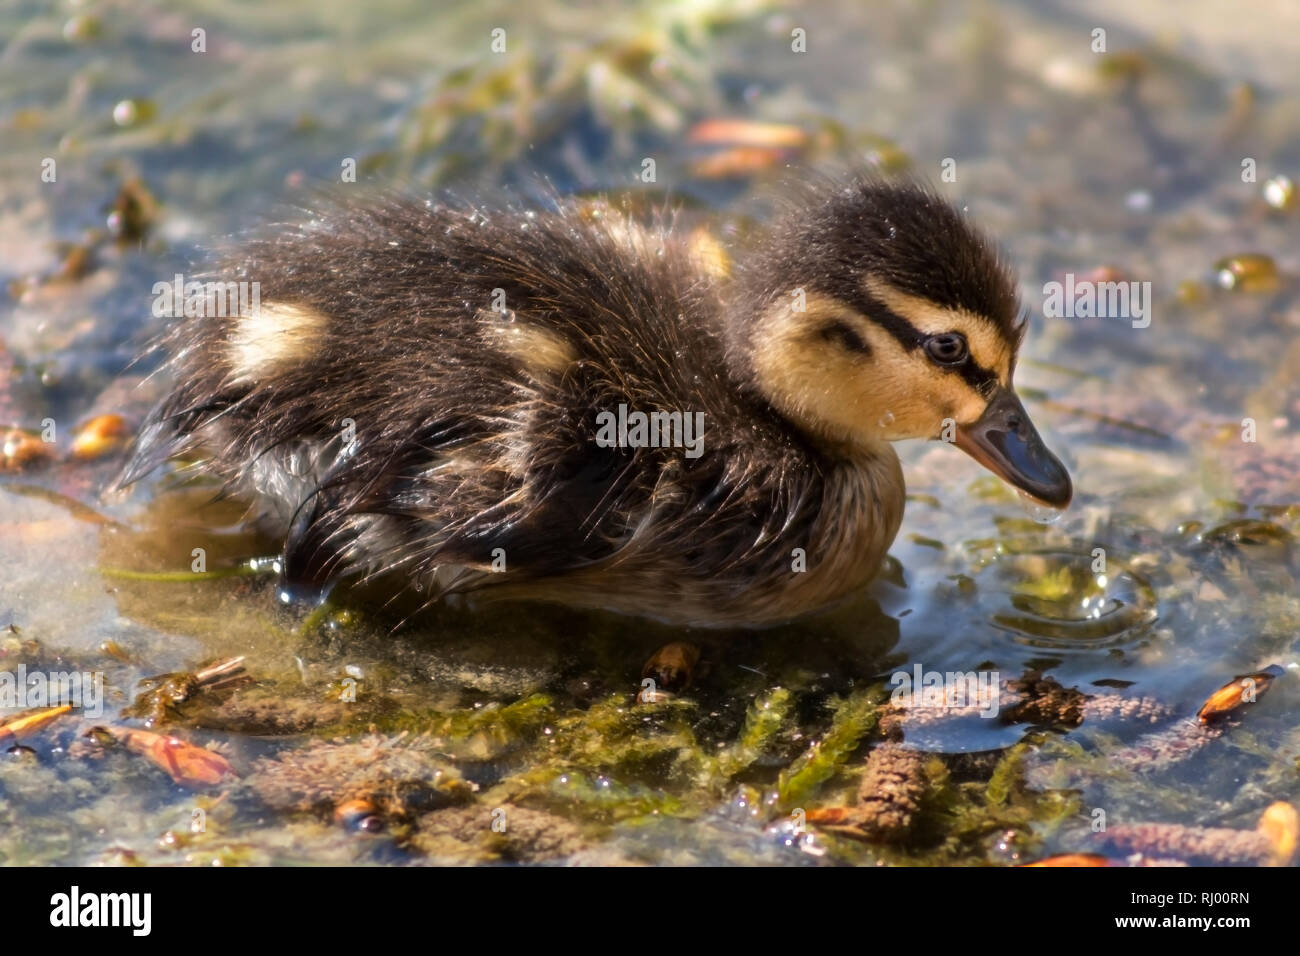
1005 442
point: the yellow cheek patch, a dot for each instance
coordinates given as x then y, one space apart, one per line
988 346
830 391
803 377
959 401
273 336
891 393
916 395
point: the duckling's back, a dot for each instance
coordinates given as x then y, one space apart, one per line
431 392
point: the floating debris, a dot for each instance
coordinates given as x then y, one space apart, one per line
165 693
133 212
1031 699
30 721
1044 702
99 437
749 147
1076 859
672 666
737 162
359 816
187 764
1280 825
1249 272
1174 744
1246 689
114 650
20 449
743 132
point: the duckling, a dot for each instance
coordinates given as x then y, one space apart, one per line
570 406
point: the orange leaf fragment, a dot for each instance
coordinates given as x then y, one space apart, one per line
1245 689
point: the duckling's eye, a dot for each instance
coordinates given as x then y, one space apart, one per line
947 348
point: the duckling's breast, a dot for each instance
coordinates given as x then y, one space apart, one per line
737 567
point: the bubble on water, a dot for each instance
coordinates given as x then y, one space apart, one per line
1037 510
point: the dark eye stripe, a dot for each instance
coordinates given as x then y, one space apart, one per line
846 336
976 376
889 320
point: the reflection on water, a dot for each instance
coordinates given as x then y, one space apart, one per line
1061 600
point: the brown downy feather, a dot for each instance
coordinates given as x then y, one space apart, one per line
475 428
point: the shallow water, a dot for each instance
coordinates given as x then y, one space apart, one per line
1126 164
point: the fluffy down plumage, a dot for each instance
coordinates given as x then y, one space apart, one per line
469 353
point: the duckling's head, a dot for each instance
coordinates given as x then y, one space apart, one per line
875 312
